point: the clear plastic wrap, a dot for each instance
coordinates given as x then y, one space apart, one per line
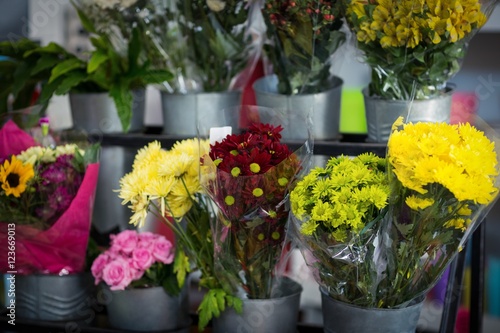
414 47
251 192
302 39
442 181
219 42
46 203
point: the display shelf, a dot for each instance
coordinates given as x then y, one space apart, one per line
348 145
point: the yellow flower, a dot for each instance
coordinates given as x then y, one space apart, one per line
417 203
308 228
14 176
323 211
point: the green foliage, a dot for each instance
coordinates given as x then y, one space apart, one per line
214 302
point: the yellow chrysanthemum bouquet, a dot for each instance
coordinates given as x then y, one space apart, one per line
414 47
166 183
379 238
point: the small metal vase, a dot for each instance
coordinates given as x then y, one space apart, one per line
324 107
277 314
54 297
382 113
182 112
340 317
149 309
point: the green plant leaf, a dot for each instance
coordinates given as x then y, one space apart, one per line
84 20
123 101
65 67
44 62
69 82
181 267
96 60
134 49
50 48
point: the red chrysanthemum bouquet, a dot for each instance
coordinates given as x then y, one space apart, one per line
248 175
46 203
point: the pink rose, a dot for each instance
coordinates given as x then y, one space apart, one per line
163 250
142 259
125 241
146 239
117 274
98 265
136 274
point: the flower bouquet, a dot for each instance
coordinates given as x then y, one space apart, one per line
139 272
214 44
166 183
414 47
46 199
386 248
248 175
303 37
136 260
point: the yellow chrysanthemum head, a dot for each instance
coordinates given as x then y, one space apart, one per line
458 158
14 176
341 198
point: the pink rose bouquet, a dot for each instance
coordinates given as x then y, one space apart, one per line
137 260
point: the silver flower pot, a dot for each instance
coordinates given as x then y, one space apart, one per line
277 314
96 113
324 106
182 112
382 113
54 297
340 317
149 309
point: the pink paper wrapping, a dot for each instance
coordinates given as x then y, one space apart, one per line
13 140
62 248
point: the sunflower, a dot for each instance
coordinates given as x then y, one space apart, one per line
14 175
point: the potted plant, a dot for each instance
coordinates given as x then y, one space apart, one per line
379 232
138 272
413 48
20 83
302 41
46 202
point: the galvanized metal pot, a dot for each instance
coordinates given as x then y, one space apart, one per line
148 309
96 112
278 314
381 113
324 107
340 317
54 297
181 112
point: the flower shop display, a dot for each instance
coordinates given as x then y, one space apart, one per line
166 183
247 173
46 201
303 38
413 48
138 269
215 48
379 233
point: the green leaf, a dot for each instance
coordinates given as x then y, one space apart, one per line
181 267
66 67
50 48
70 82
96 60
123 102
49 89
21 76
134 49
84 20
46 61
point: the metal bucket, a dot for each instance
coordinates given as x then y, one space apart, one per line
149 309
340 317
96 112
278 314
382 113
54 297
324 107
181 112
